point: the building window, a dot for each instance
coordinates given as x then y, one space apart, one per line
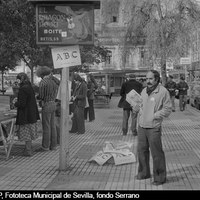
114 19
112 11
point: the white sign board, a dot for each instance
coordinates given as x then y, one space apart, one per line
66 56
169 65
185 61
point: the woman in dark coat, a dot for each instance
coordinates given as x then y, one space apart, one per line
90 98
79 98
27 113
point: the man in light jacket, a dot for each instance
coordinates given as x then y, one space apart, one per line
155 106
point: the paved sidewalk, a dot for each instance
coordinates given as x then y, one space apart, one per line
181 142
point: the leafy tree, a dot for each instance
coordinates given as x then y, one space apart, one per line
91 54
8 60
17 19
164 26
18 24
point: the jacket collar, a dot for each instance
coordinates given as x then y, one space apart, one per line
156 90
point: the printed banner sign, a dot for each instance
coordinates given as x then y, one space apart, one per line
65 24
66 56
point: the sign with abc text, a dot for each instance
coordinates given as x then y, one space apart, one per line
66 56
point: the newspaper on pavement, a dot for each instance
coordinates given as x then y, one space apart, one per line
118 150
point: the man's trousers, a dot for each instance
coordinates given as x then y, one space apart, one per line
126 115
150 138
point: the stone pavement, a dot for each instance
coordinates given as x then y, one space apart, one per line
181 142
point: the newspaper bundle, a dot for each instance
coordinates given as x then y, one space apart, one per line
119 151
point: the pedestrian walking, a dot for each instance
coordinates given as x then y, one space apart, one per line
182 88
27 113
156 105
126 87
91 87
171 87
79 98
48 88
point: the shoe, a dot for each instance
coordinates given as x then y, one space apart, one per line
42 149
135 134
72 131
80 133
173 111
141 178
157 183
27 154
54 148
124 134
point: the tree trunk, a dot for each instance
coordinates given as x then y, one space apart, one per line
2 81
163 68
32 80
163 52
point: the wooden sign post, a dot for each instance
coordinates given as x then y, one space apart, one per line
64 57
64 122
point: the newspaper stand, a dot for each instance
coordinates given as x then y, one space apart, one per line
7 138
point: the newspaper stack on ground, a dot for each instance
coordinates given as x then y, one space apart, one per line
119 151
134 99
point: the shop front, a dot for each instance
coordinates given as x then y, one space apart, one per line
112 80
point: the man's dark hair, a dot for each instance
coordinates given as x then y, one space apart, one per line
23 77
182 78
131 76
156 75
170 76
42 71
77 77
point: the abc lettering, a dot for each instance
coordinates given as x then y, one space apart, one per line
66 55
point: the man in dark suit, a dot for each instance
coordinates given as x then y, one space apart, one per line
127 86
171 87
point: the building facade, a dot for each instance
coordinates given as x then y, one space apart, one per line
111 22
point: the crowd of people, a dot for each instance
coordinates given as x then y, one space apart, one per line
146 123
180 89
28 102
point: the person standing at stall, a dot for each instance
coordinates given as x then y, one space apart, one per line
90 98
48 89
27 113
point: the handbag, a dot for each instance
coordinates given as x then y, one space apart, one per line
121 101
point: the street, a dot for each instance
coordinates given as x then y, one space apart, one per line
181 143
